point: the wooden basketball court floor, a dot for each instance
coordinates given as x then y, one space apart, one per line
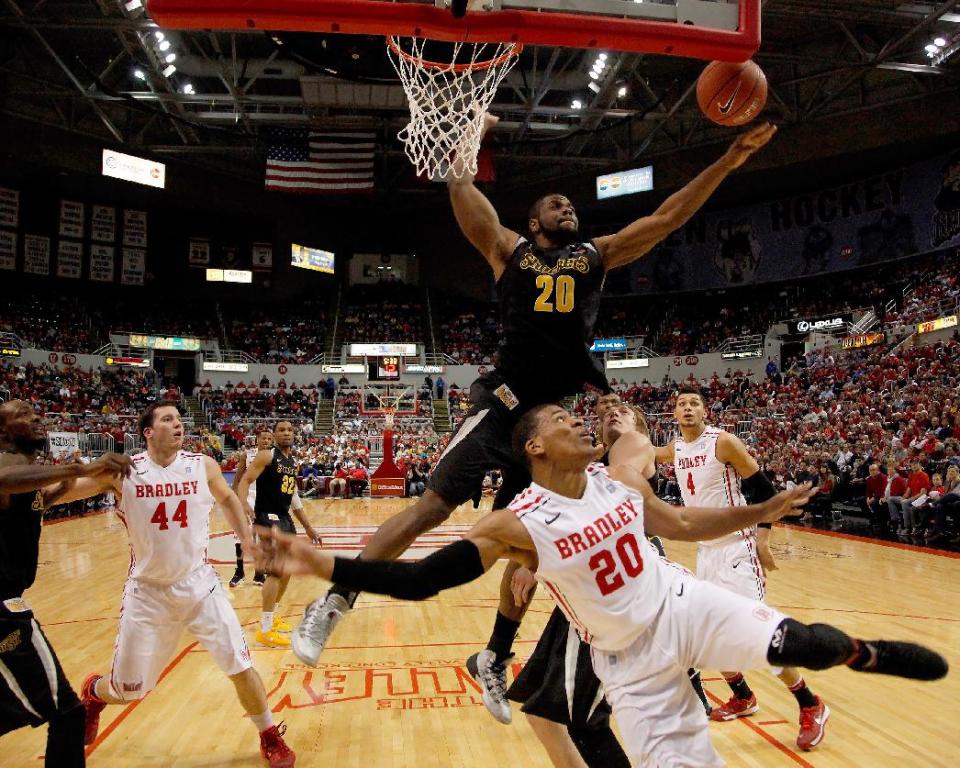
392 691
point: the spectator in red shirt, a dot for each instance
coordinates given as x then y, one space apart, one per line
339 480
358 480
917 486
876 485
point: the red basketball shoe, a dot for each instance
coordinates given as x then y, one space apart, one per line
274 749
92 707
813 725
735 708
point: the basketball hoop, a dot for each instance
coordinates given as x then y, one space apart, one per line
448 101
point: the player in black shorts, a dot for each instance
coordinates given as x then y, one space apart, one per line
33 688
549 284
274 470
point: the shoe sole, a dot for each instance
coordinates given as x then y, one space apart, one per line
746 713
304 654
823 731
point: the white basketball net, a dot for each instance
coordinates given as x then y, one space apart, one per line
448 101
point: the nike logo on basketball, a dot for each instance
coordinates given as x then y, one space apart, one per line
724 108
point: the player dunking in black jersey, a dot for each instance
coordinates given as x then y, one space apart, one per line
549 285
275 473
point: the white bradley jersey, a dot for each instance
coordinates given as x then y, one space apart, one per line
166 511
704 480
595 560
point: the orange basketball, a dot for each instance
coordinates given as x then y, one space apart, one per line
730 93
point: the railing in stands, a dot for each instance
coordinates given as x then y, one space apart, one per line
10 340
742 344
132 443
635 348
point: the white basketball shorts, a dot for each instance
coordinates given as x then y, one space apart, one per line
152 620
701 625
734 566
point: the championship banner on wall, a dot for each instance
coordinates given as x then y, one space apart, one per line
71 218
36 255
63 444
866 221
135 229
8 250
9 207
103 224
69 259
199 253
133 266
101 263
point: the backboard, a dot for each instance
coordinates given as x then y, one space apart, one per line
706 29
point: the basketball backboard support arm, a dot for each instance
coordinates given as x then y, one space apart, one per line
704 29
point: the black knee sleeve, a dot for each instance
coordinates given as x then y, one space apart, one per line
814 646
598 747
65 739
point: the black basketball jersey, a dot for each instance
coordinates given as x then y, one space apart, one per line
549 299
20 526
276 485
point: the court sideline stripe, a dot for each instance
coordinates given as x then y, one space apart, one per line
134 704
876 542
768 736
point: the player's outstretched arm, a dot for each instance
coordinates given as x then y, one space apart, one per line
636 239
227 499
478 219
497 535
63 483
664 453
635 449
704 523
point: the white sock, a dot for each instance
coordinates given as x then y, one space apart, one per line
266 622
262 721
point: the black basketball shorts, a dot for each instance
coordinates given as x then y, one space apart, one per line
545 687
480 444
281 520
33 687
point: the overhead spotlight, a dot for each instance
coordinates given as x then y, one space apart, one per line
169 70
139 74
576 104
932 48
188 89
939 41
159 35
170 58
593 87
133 5
594 74
622 91
164 45
602 56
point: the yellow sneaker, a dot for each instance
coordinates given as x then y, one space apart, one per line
272 639
279 625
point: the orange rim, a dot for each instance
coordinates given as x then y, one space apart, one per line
514 50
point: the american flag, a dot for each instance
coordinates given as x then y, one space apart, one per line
320 162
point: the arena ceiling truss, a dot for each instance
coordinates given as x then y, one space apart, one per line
94 68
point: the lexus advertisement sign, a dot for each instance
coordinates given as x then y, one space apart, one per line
829 324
